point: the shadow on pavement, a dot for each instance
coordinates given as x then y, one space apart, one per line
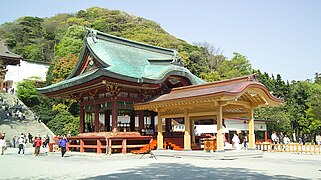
186 171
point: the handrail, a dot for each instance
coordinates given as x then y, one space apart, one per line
310 148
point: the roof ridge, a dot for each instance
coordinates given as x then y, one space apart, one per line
4 51
100 35
251 77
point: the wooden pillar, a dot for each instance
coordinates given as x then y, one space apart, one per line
132 121
192 130
265 136
109 146
168 125
114 114
81 149
82 119
96 128
141 124
251 130
67 146
124 146
152 121
219 137
160 132
99 146
107 120
187 134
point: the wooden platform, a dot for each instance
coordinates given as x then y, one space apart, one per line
226 155
107 142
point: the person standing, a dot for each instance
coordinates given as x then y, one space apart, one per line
21 142
30 137
62 144
274 139
47 140
3 145
14 142
245 143
236 141
316 139
38 143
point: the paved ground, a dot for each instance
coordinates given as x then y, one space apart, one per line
93 166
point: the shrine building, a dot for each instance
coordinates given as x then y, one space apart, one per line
6 58
149 85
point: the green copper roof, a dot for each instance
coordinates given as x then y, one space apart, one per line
126 60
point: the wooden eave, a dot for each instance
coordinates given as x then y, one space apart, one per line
98 86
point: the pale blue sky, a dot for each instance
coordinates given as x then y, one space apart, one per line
279 37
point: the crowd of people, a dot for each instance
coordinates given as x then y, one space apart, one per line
280 138
238 143
12 111
37 142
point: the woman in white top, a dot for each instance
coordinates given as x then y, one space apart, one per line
3 145
236 141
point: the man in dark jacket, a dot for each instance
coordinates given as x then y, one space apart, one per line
62 144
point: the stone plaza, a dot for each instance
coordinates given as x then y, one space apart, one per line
128 166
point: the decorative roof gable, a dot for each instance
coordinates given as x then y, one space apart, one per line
127 60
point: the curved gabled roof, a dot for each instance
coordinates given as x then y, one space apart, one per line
126 60
234 88
137 61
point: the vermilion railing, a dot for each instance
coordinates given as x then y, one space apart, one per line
107 144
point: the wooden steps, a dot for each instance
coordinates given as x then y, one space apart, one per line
174 143
146 148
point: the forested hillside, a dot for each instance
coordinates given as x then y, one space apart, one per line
58 40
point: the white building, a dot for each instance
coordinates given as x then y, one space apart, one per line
25 70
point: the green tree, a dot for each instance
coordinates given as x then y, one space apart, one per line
27 93
239 65
72 42
279 119
313 119
61 69
63 121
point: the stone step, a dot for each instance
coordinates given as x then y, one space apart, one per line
13 127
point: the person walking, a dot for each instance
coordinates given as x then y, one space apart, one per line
62 144
21 142
3 145
244 143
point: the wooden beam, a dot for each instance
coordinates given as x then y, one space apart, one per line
203 117
172 115
209 113
245 104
